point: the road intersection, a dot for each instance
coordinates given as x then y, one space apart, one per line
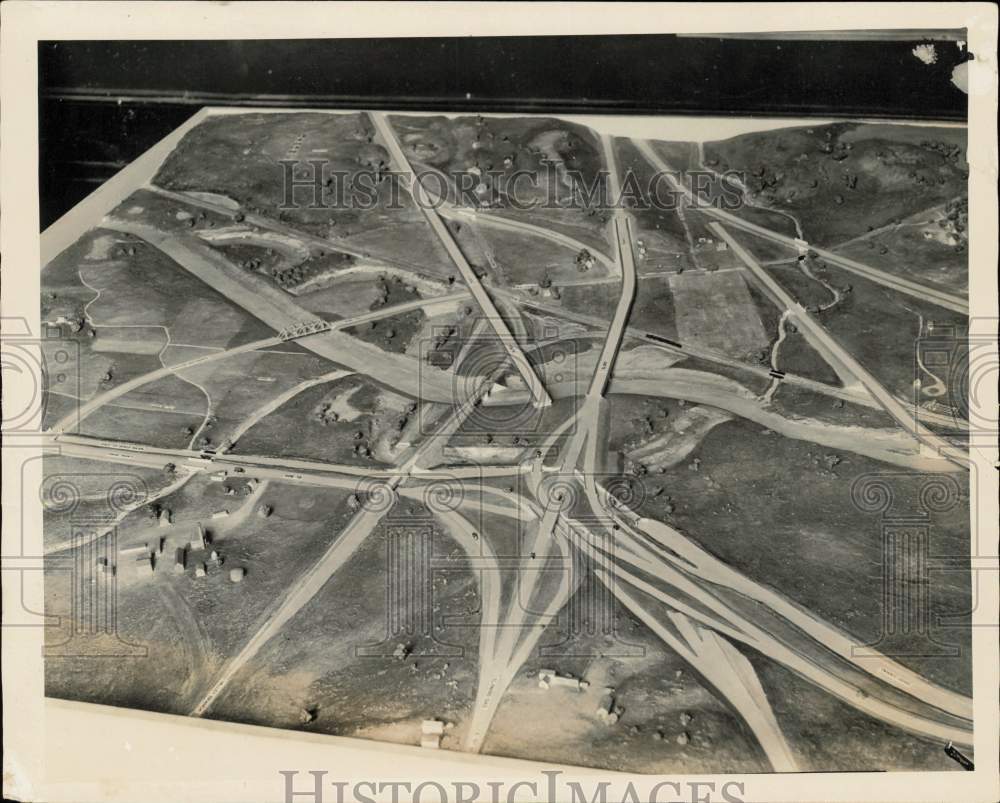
557 520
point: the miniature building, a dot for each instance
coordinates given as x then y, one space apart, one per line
264 511
199 540
180 559
236 575
165 518
432 727
217 476
548 677
606 711
215 556
200 570
431 731
144 564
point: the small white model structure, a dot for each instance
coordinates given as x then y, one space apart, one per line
607 712
548 678
165 518
237 574
200 570
431 731
199 539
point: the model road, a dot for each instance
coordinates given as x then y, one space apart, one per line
90 406
829 347
120 390
693 350
665 554
854 396
497 673
485 217
280 311
632 548
593 405
326 475
486 305
725 668
895 446
747 632
269 224
922 292
705 648
710 568
382 495
304 589
157 457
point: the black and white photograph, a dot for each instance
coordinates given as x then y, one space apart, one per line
620 402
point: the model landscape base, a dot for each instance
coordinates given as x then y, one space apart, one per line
643 486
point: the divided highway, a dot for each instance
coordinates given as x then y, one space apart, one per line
472 280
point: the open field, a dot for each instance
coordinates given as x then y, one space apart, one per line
588 299
930 246
499 435
238 156
502 145
698 300
527 260
860 744
793 401
165 413
348 420
680 156
81 497
753 382
243 386
137 285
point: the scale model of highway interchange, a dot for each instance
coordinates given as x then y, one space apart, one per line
593 484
